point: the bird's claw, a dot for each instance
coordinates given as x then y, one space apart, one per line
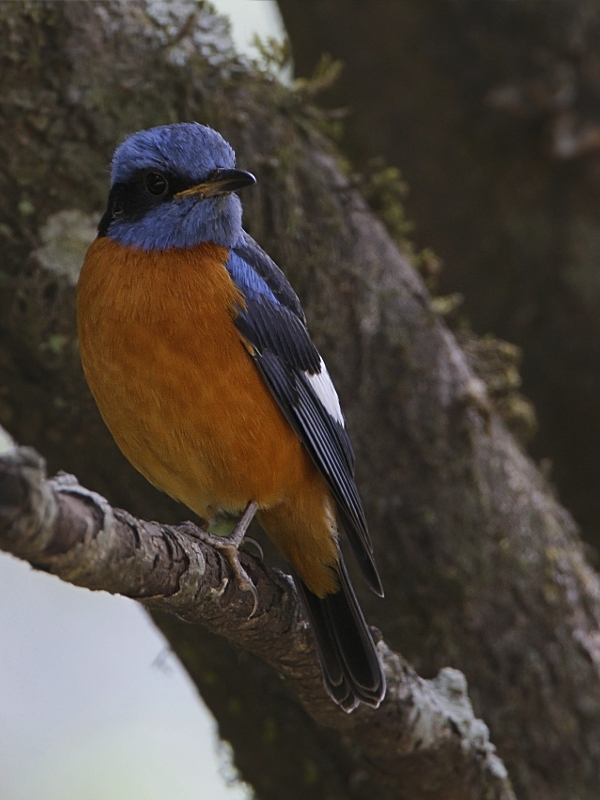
244 580
229 547
257 547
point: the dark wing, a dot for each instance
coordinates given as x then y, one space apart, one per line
266 269
273 323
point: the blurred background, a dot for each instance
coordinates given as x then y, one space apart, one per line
142 732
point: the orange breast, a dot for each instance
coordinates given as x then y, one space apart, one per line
183 399
174 382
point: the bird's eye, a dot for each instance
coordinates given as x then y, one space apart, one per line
156 183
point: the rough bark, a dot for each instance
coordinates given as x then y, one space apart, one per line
423 739
490 109
483 569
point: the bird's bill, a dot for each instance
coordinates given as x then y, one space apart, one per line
221 182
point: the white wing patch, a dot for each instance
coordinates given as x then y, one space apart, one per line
324 389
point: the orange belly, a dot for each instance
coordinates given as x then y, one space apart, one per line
184 401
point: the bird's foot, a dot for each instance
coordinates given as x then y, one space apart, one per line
229 547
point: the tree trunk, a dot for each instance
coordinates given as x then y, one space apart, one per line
490 109
483 570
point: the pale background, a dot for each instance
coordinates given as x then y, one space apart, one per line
92 706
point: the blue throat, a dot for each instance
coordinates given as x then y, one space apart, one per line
185 222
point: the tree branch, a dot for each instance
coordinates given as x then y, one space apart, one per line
425 734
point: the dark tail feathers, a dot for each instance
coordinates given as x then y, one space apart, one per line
352 671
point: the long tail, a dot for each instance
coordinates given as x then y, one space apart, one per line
351 668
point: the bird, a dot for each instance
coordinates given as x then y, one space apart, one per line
197 352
